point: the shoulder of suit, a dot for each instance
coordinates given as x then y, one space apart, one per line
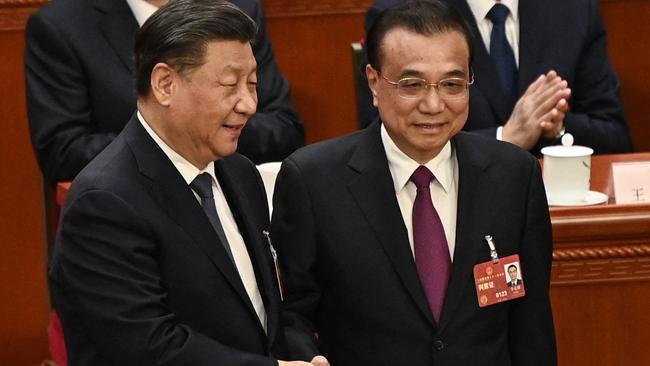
495 151
250 7
56 17
328 150
113 163
237 160
63 9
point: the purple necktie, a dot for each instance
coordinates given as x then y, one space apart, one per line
429 243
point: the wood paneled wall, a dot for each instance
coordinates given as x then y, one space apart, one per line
312 46
312 43
628 33
23 294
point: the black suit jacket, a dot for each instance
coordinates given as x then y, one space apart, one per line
350 275
80 89
138 274
566 36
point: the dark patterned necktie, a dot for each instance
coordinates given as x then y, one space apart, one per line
430 244
202 185
500 50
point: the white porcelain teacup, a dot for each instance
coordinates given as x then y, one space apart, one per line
566 173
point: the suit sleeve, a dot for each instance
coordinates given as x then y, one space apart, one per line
531 334
276 130
112 279
596 118
64 136
293 232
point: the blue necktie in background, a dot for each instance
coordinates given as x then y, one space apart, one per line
500 50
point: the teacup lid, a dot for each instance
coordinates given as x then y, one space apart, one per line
567 149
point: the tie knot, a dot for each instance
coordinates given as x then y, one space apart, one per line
421 177
498 14
202 185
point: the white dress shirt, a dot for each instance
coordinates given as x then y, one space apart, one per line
444 188
141 9
480 8
235 240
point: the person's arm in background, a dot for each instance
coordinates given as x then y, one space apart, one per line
590 108
276 130
64 136
539 112
595 116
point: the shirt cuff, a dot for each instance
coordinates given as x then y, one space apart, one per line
500 133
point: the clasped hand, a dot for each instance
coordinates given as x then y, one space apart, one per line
539 112
316 361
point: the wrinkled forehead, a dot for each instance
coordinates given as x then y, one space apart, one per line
399 40
406 53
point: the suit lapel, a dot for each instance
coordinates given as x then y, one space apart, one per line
485 71
258 250
119 27
474 204
373 190
181 205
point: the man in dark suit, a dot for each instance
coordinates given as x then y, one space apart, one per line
161 257
565 41
80 93
378 263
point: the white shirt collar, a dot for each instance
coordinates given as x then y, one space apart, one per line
402 166
141 9
184 167
480 8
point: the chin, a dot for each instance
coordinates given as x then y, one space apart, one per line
227 152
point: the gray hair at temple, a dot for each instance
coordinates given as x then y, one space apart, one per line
178 34
425 17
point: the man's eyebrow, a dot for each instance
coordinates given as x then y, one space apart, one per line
456 73
235 68
410 73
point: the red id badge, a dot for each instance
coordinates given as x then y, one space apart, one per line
499 282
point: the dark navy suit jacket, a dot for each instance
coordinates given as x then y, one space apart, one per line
138 274
349 272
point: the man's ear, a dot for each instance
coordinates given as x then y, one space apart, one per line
163 83
373 82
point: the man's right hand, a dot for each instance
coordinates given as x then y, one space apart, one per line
537 111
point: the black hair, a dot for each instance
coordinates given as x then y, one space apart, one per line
426 17
178 33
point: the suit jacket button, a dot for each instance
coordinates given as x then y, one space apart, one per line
438 345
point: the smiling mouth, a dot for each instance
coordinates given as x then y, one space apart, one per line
431 126
233 127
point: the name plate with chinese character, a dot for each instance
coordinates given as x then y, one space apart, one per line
631 182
